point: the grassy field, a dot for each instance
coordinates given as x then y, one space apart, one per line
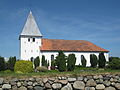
52 73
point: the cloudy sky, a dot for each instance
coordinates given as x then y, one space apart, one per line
97 21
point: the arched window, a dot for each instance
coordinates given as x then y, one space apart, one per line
52 57
33 39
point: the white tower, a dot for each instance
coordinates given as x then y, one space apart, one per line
30 39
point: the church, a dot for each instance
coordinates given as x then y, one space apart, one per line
32 44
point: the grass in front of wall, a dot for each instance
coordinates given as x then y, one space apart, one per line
52 73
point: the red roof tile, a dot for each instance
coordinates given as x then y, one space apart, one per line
70 45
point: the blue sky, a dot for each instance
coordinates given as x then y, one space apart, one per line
97 21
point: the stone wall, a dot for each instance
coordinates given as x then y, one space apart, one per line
88 82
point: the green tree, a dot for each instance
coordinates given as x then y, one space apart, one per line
93 60
61 61
71 60
37 62
44 62
11 63
2 63
102 60
83 61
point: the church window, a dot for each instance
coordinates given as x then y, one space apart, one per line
33 39
28 39
31 50
25 50
52 57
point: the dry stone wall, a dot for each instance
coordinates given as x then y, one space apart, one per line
88 82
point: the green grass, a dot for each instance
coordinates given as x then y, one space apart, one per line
51 73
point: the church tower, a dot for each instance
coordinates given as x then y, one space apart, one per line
30 39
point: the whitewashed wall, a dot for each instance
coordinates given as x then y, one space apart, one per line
29 49
77 54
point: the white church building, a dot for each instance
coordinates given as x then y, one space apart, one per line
32 44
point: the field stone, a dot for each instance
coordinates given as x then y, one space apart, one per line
78 85
71 79
30 87
45 80
1 89
22 88
63 81
29 83
100 87
56 85
91 82
110 88
47 85
6 86
67 87
14 87
117 85
38 88
89 88
1 81
13 83
95 77
106 83
80 78
19 84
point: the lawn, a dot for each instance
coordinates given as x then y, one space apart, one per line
52 73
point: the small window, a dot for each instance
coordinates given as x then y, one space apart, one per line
28 39
33 39
25 50
31 50
52 57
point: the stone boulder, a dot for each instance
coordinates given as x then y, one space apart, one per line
110 88
91 82
56 85
100 87
79 85
6 86
67 87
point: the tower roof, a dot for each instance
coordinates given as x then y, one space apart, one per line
31 27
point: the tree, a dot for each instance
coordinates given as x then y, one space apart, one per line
44 62
2 63
71 60
93 60
37 62
11 63
102 60
61 61
83 61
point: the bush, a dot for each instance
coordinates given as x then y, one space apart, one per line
93 60
23 66
71 60
61 61
11 63
41 69
83 61
102 60
2 64
114 64
37 62
7 71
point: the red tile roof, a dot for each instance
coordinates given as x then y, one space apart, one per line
70 45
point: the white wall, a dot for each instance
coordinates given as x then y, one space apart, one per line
77 54
29 49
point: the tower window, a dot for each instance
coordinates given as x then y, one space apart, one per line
28 39
52 57
33 39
